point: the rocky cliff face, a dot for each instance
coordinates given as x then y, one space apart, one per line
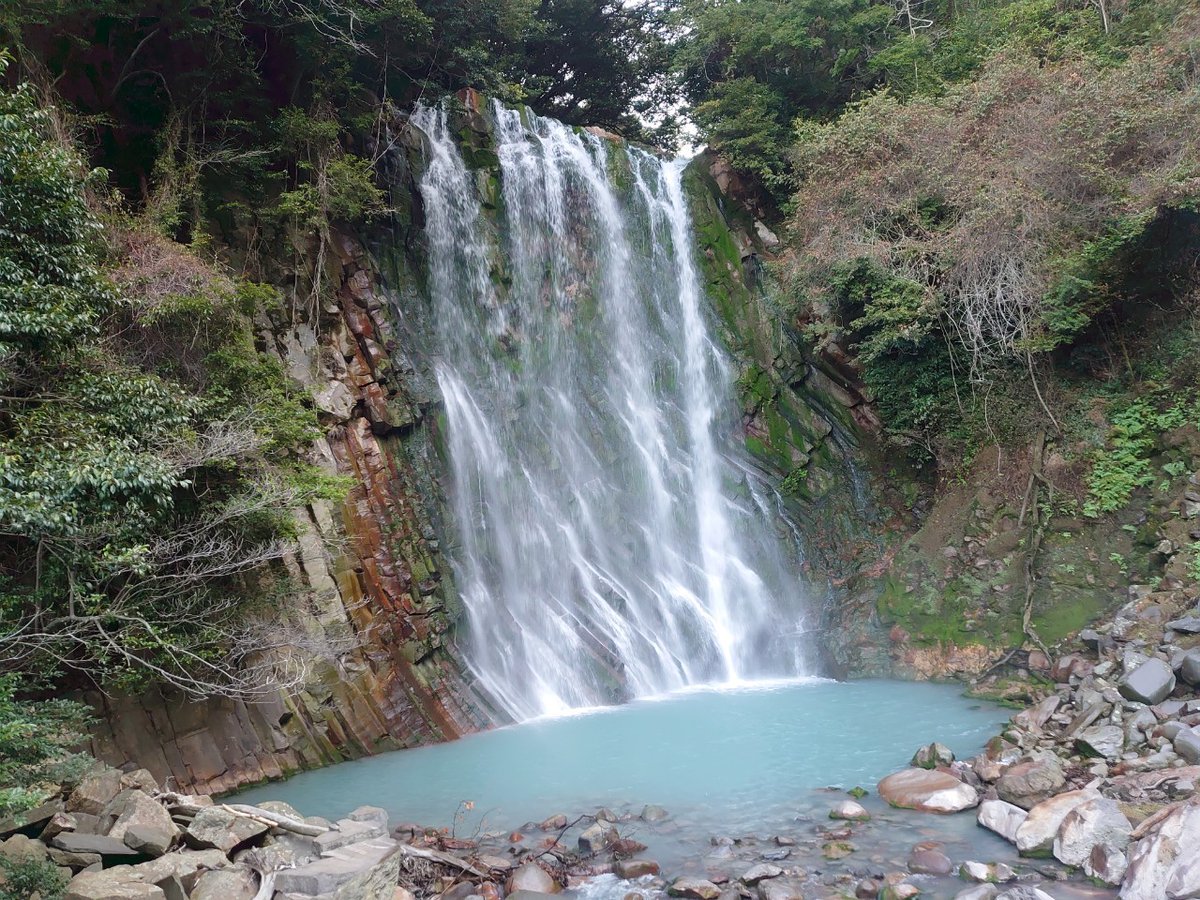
377 587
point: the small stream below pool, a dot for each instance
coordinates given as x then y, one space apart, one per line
750 763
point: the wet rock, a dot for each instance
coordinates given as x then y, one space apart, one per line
532 877
901 891
635 868
850 811
1024 892
1035 836
993 873
652 813
779 889
1166 862
928 858
757 873
927 790
222 830
95 792
867 889
596 838
1104 741
1096 822
694 889
837 849
979 892
1149 683
1107 864
931 756
554 823
1002 817
1028 783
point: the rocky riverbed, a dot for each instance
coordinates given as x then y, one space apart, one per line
1089 791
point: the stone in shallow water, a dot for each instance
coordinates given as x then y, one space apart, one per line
928 858
779 889
1024 892
979 892
1002 817
652 813
928 791
635 868
931 756
694 889
532 877
849 811
757 873
1107 864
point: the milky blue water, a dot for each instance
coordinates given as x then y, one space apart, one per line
725 761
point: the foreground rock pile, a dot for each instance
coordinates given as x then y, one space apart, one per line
1101 774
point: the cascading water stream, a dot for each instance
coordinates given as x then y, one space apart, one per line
607 545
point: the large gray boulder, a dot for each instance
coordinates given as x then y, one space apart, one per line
144 825
1002 817
74 842
348 831
694 889
1150 683
1098 822
927 790
1104 741
214 827
1189 667
95 792
236 883
367 870
1165 864
1035 836
1187 745
119 883
1029 783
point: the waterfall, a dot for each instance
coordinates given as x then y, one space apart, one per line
609 542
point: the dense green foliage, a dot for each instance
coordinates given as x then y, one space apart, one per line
21 879
145 443
38 744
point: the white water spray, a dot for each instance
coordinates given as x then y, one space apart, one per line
607 545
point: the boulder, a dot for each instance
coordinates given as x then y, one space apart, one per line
928 858
367 870
31 819
1028 783
111 884
1186 625
58 823
849 811
95 792
755 874
1035 836
635 868
779 889
931 756
1189 667
1096 822
899 891
1163 864
979 892
652 813
927 790
144 825
1150 683
74 842
1002 817
1103 741
597 837
1187 745
1106 864
236 883
373 814
348 831
222 830
20 848
694 889
532 877
73 860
